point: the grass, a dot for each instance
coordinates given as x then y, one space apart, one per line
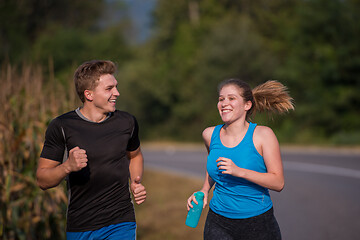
163 214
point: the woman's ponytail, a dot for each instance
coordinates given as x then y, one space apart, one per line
272 96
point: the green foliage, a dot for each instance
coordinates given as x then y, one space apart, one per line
170 81
190 54
318 66
23 21
310 46
69 47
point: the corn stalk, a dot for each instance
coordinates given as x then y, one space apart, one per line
28 102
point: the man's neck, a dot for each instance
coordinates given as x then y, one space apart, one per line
93 116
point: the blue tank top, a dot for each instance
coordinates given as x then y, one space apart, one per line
236 197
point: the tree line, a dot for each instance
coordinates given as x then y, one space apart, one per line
169 81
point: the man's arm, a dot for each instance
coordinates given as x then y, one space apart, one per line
136 169
50 173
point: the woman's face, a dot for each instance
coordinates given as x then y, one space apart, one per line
231 104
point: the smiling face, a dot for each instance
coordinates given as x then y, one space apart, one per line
104 96
231 105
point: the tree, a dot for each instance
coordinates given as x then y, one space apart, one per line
23 21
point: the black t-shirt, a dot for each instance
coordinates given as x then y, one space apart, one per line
99 193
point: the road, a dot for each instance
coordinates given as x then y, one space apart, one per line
321 198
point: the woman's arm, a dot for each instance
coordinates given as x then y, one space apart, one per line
209 182
268 146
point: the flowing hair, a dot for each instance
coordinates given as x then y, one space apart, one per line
271 96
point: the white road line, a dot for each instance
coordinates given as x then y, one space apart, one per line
324 169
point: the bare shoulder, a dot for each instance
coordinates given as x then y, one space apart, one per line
263 134
263 131
207 133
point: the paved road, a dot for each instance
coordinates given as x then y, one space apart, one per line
321 198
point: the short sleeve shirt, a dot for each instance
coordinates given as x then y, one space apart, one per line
99 193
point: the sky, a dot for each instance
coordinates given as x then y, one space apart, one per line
140 12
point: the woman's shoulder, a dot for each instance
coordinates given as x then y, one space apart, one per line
207 133
263 131
265 139
263 135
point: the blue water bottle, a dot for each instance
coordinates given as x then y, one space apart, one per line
194 213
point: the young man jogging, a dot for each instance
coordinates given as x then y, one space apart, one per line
96 148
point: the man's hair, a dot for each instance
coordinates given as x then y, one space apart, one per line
88 74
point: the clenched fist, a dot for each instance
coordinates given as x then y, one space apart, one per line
77 160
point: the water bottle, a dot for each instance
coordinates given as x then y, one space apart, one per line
194 213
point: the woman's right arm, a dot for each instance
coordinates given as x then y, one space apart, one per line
209 182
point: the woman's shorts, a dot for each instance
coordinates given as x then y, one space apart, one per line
263 226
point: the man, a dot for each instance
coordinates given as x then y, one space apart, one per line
97 149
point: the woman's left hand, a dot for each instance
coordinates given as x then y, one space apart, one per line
227 166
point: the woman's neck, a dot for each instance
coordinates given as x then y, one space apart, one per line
234 128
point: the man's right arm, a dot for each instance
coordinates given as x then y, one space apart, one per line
50 173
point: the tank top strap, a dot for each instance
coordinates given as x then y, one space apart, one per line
215 137
250 132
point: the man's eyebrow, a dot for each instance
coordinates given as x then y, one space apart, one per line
111 85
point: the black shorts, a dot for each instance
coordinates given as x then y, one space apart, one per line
261 227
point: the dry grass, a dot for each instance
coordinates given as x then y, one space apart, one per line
163 214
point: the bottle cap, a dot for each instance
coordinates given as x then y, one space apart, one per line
199 195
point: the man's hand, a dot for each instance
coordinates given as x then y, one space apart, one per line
77 160
138 190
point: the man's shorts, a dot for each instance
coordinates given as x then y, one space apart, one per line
124 231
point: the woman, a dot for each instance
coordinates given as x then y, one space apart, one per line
244 161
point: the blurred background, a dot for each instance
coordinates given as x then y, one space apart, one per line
170 56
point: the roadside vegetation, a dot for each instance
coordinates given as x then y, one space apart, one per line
28 103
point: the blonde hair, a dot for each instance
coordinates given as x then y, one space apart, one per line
271 96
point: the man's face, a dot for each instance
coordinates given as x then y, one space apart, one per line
105 94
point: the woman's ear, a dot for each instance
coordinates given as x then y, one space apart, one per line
248 105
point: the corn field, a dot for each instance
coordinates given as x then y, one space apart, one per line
28 102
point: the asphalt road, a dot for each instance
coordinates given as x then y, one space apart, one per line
321 198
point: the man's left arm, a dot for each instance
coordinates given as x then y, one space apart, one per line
136 168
